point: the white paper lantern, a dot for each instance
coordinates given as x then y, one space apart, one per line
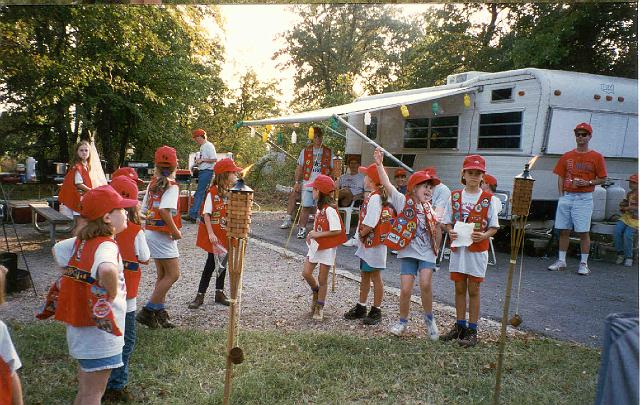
367 118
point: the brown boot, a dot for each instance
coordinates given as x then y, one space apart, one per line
221 298
197 301
163 319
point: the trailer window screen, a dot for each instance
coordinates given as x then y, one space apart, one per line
500 130
431 133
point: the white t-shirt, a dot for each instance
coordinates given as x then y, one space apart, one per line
160 244
208 204
77 179
316 168
142 252
354 182
207 151
376 256
420 246
7 351
440 197
463 260
325 256
90 342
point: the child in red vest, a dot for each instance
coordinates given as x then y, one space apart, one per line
92 293
468 265
373 225
212 230
76 183
162 230
415 235
134 251
10 387
328 232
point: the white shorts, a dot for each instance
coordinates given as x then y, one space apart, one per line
161 246
307 198
574 212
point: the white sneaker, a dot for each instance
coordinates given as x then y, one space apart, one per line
559 265
398 329
619 259
301 233
447 253
583 270
286 224
628 262
353 242
432 329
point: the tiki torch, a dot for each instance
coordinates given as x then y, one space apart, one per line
238 220
520 204
337 172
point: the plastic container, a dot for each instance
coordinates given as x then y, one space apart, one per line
31 169
599 204
615 194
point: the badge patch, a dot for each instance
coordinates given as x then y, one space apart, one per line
455 196
406 234
101 308
411 226
456 205
409 213
478 208
485 202
402 221
393 237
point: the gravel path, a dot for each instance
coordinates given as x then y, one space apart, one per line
274 296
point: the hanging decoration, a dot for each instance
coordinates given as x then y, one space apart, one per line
280 138
253 131
310 135
269 127
367 118
467 101
435 108
265 137
333 123
294 137
404 110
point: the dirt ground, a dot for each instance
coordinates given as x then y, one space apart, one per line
274 295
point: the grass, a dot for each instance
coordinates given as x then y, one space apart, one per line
187 367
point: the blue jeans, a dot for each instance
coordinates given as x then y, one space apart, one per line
204 180
624 238
120 376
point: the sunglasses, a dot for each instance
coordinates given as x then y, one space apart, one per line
583 134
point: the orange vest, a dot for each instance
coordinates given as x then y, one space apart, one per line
380 231
321 224
81 300
6 390
154 221
69 194
404 226
478 215
127 246
325 162
218 222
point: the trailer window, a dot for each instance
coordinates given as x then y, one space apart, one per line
500 130
502 94
431 133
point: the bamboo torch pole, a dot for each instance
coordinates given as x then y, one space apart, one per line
521 202
337 172
239 218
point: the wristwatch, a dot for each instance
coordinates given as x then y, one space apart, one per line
591 182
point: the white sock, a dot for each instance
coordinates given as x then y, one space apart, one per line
584 257
562 256
364 304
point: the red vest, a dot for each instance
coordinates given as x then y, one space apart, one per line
69 194
81 300
218 222
321 224
405 225
382 228
6 389
478 215
325 162
154 221
127 246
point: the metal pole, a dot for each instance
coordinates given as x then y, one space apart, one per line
370 142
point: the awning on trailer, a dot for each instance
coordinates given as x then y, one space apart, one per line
373 103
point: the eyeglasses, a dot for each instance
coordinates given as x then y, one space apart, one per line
583 134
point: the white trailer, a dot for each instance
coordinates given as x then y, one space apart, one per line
510 117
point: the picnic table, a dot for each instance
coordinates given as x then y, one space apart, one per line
53 217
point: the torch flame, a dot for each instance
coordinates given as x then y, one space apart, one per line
244 171
533 162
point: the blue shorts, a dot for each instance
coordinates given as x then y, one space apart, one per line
365 268
574 212
307 198
410 266
106 363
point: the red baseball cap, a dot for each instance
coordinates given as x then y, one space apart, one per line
225 165
370 171
323 183
633 178
431 170
474 162
102 200
166 156
400 172
128 172
584 126
490 180
419 178
198 132
126 187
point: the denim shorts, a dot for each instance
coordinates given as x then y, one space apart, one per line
410 266
574 212
364 267
307 198
106 363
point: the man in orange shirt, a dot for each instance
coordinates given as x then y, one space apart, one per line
579 171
